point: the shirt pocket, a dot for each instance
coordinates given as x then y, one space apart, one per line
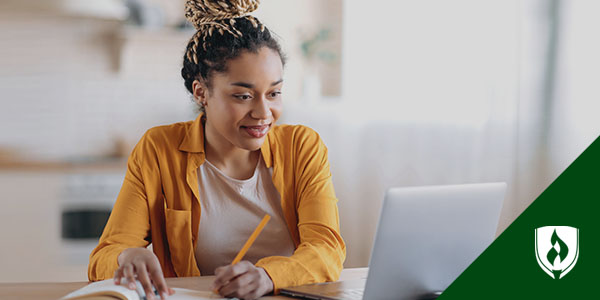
179 236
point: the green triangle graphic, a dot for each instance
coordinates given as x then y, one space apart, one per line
508 268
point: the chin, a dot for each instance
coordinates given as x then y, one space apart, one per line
252 145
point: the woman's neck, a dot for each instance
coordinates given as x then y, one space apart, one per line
236 162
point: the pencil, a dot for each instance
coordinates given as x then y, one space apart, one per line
251 239
249 242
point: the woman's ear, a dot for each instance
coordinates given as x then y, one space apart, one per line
200 92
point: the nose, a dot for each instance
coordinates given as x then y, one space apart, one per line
261 108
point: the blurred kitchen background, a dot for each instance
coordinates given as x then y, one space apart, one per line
403 93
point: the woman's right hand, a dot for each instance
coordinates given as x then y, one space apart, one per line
143 264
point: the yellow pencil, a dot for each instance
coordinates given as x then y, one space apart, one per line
251 239
249 242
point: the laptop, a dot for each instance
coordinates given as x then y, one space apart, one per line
426 237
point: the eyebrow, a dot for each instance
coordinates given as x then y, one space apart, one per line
249 85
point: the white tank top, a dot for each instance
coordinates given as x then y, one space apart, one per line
231 210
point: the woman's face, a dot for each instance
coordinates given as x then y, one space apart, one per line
245 101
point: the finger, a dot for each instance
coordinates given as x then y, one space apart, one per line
118 275
253 289
238 286
142 275
257 287
129 274
247 291
228 273
219 270
159 280
219 278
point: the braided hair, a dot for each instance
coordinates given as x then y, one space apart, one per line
224 31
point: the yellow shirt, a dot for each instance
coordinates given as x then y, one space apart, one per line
159 204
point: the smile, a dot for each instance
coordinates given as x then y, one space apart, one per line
256 131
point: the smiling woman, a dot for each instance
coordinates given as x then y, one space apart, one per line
194 190
247 101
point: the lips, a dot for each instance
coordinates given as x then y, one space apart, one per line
257 131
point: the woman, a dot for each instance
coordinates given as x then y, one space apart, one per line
196 190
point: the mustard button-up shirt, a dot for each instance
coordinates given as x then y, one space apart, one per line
159 204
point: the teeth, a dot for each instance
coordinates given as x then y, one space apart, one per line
258 129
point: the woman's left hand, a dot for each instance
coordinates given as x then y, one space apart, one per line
242 280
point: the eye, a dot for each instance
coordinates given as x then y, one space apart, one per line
275 94
243 96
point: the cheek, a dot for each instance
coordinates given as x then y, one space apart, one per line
224 111
276 109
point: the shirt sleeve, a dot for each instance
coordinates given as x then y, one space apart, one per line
128 225
321 253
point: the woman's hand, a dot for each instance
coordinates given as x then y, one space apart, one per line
242 280
143 264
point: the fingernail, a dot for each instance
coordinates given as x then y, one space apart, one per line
164 295
132 285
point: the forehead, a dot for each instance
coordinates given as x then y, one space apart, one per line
264 65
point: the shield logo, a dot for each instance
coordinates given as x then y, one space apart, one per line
557 249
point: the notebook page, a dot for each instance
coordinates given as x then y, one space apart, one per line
185 294
108 288
104 287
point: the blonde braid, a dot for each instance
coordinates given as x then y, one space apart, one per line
208 16
201 11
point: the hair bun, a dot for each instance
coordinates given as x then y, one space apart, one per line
202 11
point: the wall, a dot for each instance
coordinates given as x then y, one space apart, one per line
77 86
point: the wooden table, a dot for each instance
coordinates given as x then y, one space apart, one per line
49 290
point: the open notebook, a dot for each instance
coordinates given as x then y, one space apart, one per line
108 290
